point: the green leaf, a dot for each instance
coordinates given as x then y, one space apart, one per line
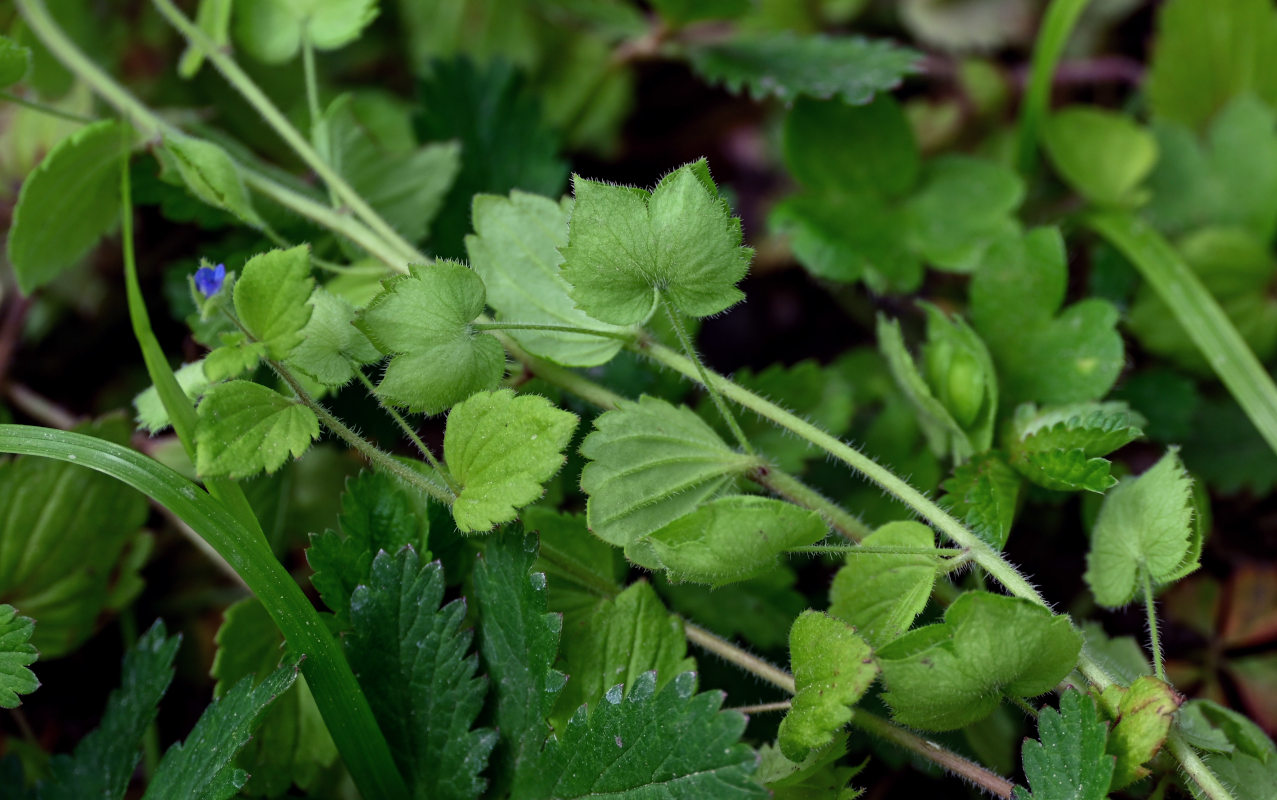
832 669
209 173
1203 721
518 641
680 12
16 653
983 493
151 415
505 142
1142 717
1061 447
1203 56
411 657
62 531
245 428
103 761
1042 353
623 638
67 204
787 66
673 744
881 593
758 610
377 513
628 249
15 62
581 568
651 463
1228 177
1103 155
515 249
203 765
271 295
1122 657
213 17
825 142
819 776
950 674
291 745
331 347
273 30
1145 527
501 449
962 206
237 356
373 147
423 321
728 539
1069 763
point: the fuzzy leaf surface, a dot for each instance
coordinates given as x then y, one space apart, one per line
728 539
519 642
331 347
983 493
627 249
515 249
1068 762
787 66
151 415
502 449
104 760
244 428
412 659
273 30
671 744
209 173
950 674
882 593
1145 527
203 765
1016 298
422 321
68 202
271 295
1062 447
832 669
651 463
16 654
819 776
1143 713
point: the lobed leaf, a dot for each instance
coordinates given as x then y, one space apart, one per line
628 249
984 493
422 321
16 654
273 30
244 428
833 668
270 298
953 673
1103 155
1069 762
1061 447
881 594
331 347
501 449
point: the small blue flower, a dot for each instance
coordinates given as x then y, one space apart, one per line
209 279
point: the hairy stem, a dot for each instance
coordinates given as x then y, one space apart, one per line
782 484
536 326
52 111
737 657
992 783
408 431
1195 768
690 350
1154 638
938 553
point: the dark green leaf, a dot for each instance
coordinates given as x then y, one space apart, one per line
1061 447
15 62
983 493
1069 763
16 654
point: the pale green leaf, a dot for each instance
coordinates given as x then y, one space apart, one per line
1142 714
104 760
16 654
413 661
1145 528
272 30
501 449
961 207
423 321
628 249
151 415
983 493
237 356
515 249
673 744
950 674
787 66
292 745
15 62
625 637
214 18
1069 762
881 593
203 765
651 463
67 203
244 428
728 539
1207 53
331 347
209 173
1103 155
832 669
271 295
819 776
1042 353
945 436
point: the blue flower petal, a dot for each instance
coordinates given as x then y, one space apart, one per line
209 279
